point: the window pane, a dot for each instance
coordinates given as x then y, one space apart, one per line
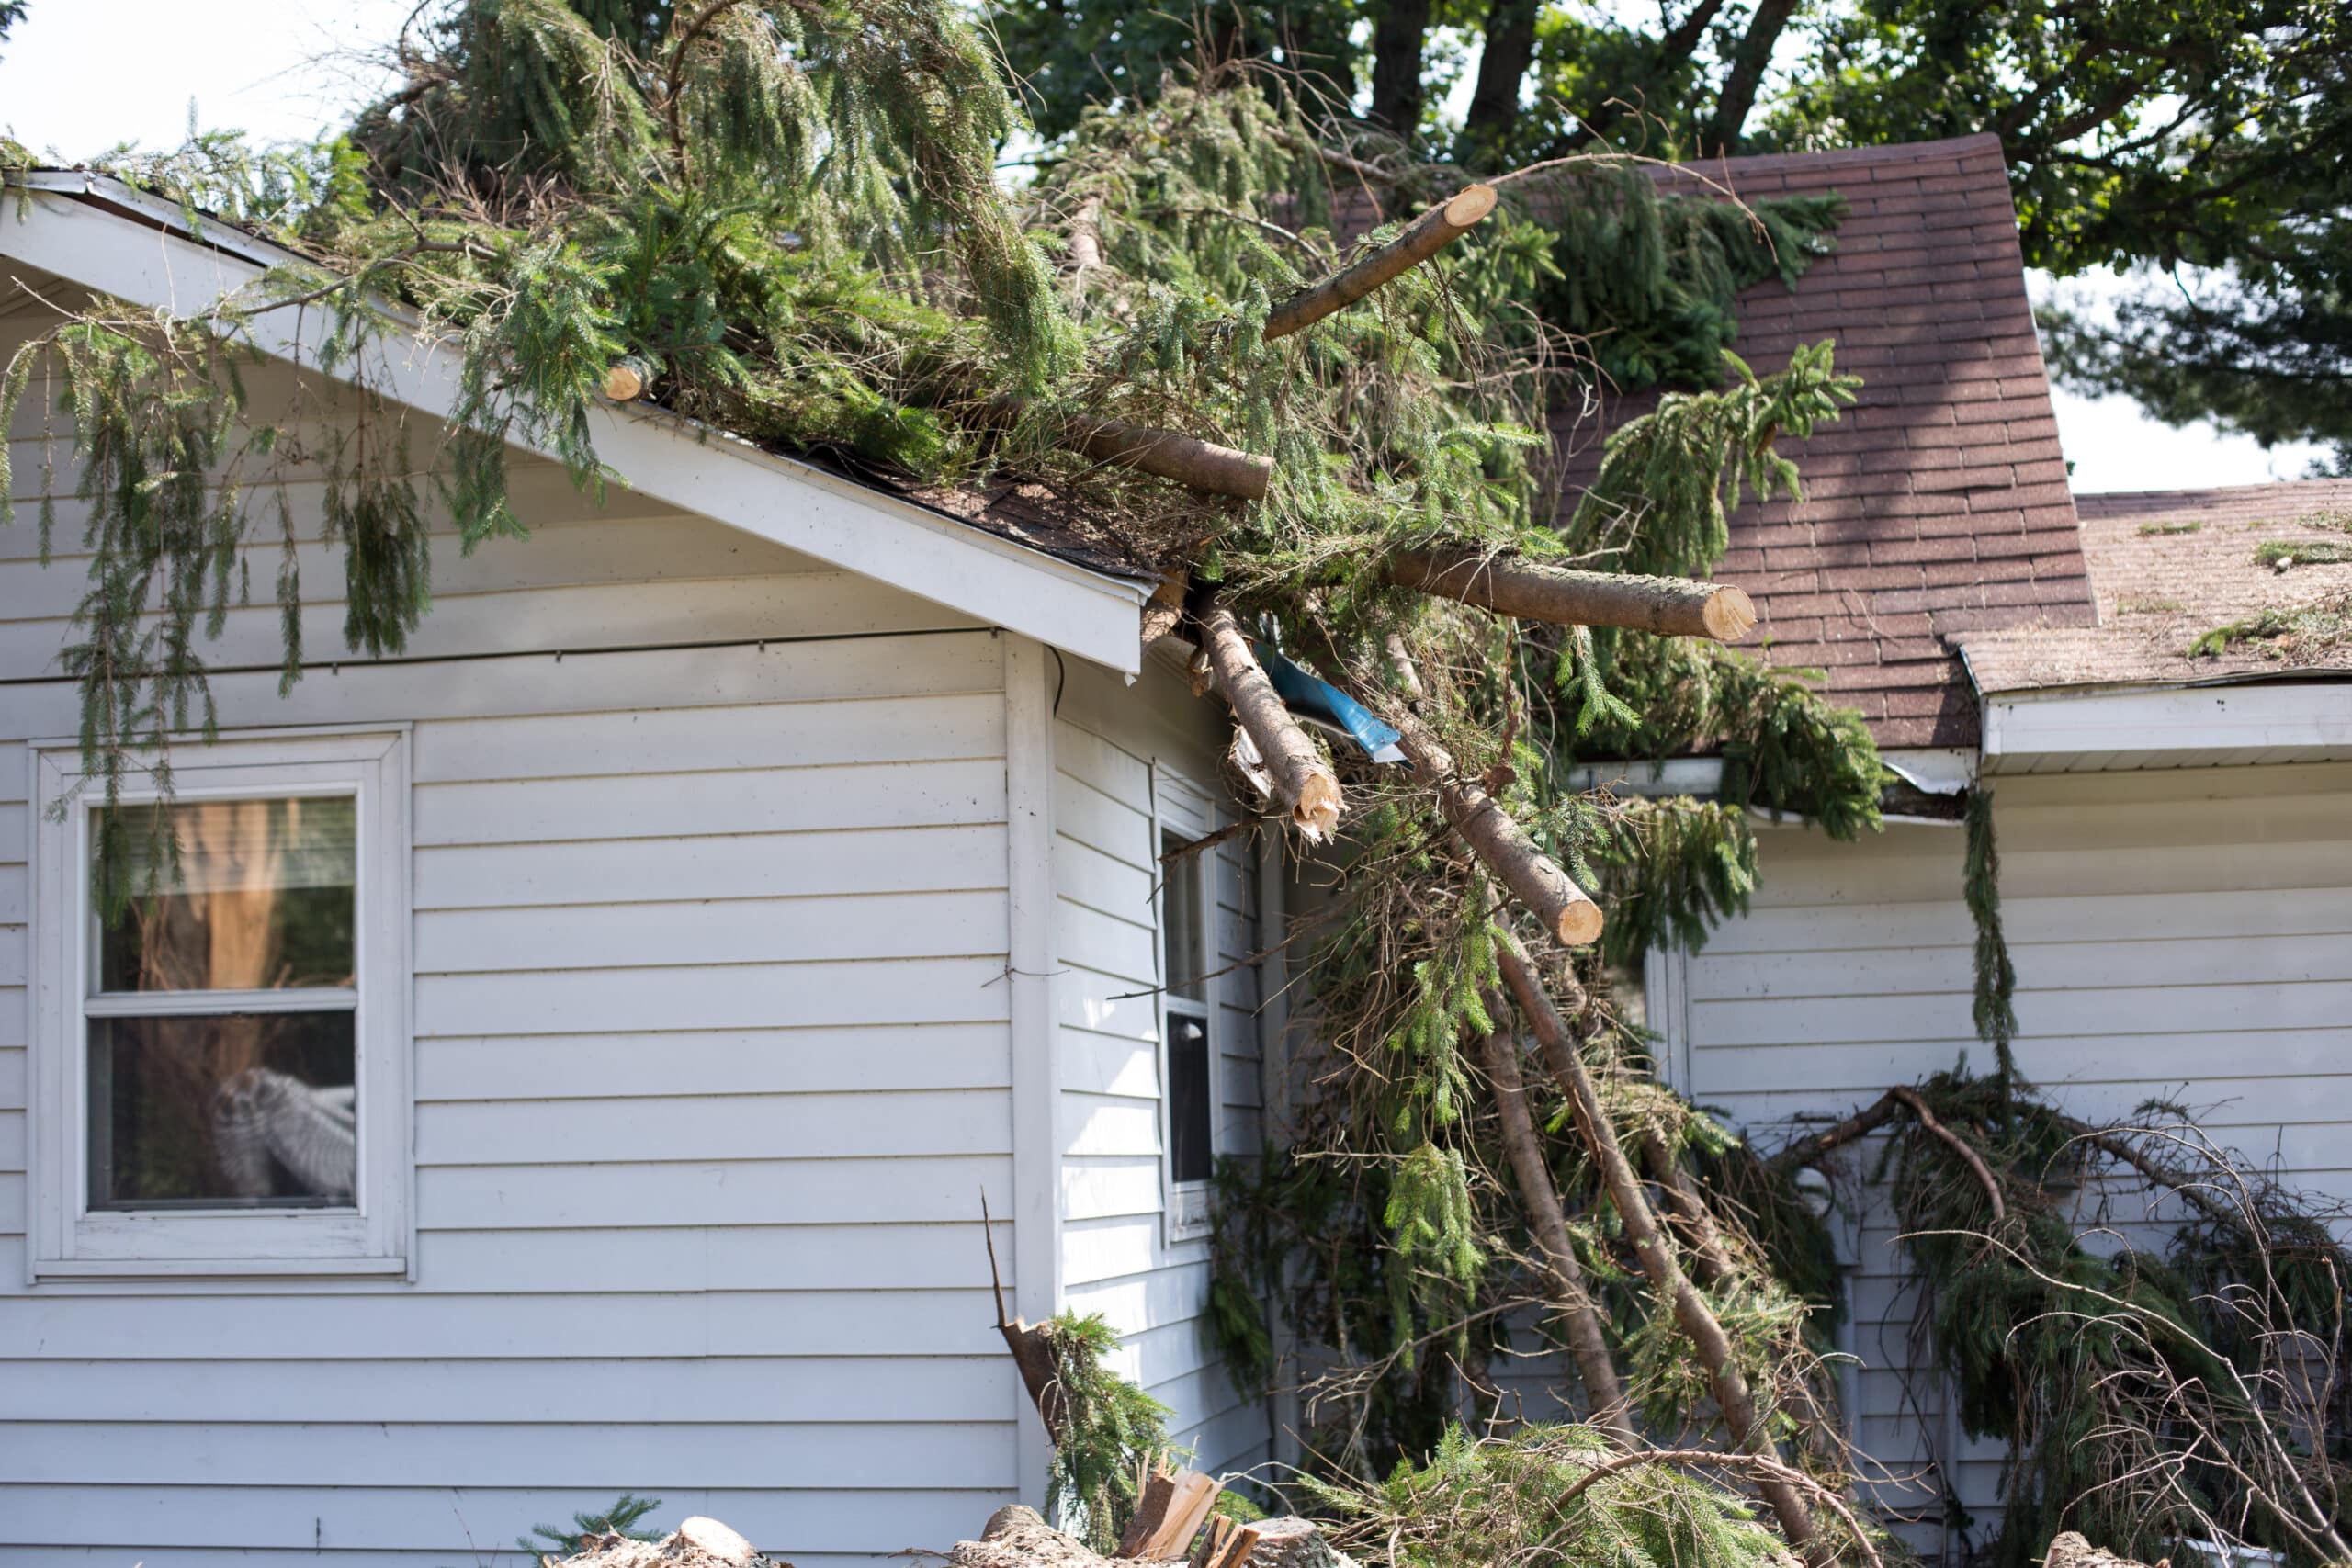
1182 964
1190 1144
262 899
227 1111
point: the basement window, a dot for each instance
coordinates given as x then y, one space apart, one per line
221 1056
1188 1035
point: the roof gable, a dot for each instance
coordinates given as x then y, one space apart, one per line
102 235
1937 506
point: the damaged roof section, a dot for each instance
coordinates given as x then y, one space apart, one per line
2196 586
1938 506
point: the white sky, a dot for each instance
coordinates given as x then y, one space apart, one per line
78 75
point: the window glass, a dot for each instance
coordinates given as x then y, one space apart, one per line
223 1110
1191 1145
213 1104
1183 964
261 897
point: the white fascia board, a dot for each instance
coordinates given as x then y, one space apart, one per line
2288 716
1937 770
1700 776
792 503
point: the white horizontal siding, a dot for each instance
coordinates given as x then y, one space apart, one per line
712 1064
1116 1258
2183 935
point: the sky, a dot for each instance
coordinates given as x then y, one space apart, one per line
78 75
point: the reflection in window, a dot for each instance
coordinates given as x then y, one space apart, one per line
227 1103
250 895
230 1108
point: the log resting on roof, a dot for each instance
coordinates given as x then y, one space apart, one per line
1186 459
1510 585
1423 238
1303 780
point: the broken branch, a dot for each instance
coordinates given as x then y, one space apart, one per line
1423 238
1303 780
1604 1397
1692 1313
1666 606
1566 910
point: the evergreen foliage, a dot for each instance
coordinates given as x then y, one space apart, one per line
620 1517
1111 1432
1996 978
1495 1500
2148 1393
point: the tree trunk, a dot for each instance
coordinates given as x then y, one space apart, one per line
1749 60
1396 44
1665 606
1508 51
1427 236
1303 780
1604 1397
1692 1314
1566 910
1187 459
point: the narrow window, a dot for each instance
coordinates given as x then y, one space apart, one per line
1184 949
222 1057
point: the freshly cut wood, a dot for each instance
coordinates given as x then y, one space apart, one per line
1152 1512
1187 1511
1604 1396
715 1540
1511 585
624 382
1549 894
1668 1282
1164 611
1187 459
1423 238
1016 1537
1302 781
1209 1551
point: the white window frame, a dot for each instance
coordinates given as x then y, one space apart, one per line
371 1238
1181 809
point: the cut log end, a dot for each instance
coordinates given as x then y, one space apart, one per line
1579 924
1730 615
718 1541
624 383
1317 811
1473 204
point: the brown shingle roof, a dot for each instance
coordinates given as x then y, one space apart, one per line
2169 566
1938 506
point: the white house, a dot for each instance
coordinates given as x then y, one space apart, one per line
2175 832
578 1056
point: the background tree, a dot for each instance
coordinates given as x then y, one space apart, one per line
2208 143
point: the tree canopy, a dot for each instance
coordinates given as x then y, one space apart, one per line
2211 137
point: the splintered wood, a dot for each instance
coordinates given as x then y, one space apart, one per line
1168 1514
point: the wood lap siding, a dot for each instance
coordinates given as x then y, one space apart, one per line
1116 1259
2185 934
712 1060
